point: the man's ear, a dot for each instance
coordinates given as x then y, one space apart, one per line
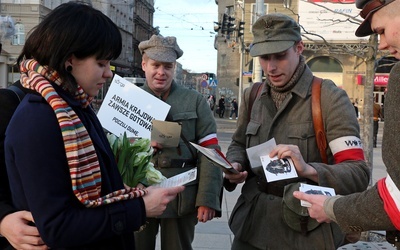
300 47
144 64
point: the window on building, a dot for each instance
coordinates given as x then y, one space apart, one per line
254 15
327 67
324 64
19 36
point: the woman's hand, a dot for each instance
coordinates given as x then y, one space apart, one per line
157 199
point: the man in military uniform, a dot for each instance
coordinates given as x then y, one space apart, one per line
283 111
378 207
200 201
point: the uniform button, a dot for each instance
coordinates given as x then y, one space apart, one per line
304 136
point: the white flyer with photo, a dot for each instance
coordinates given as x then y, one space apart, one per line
179 180
313 189
278 169
128 108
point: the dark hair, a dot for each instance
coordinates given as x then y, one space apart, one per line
72 29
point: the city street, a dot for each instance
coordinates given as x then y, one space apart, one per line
216 234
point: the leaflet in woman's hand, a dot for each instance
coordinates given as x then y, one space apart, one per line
180 179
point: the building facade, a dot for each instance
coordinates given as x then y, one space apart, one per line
332 51
133 17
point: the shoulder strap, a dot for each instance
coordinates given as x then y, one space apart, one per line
20 94
254 93
317 118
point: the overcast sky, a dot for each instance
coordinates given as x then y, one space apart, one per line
192 23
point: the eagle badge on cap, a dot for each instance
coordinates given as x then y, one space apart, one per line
268 23
168 41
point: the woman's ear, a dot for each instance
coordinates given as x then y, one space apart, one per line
68 63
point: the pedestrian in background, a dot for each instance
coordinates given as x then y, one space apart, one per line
283 112
200 202
60 165
221 106
234 109
377 208
377 117
211 102
355 108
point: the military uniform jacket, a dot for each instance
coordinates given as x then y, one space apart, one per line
191 110
292 124
367 209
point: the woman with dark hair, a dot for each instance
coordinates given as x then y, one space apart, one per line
59 162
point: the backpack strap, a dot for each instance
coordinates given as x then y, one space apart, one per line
20 94
254 93
320 135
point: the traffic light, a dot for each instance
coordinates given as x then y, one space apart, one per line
224 27
241 29
231 25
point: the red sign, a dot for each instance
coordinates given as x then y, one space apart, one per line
379 79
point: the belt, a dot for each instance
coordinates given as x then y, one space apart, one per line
274 188
277 187
183 163
174 163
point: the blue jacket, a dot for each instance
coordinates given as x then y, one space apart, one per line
40 181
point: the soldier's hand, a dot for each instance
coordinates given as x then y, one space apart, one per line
239 177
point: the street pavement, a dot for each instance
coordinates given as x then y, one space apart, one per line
216 234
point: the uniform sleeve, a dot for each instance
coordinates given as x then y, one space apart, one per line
361 212
210 176
237 149
365 211
348 172
41 183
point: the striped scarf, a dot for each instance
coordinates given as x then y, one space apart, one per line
82 159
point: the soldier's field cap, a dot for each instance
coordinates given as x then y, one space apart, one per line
274 33
368 7
161 49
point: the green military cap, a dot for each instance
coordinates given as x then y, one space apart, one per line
274 33
368 8
161 49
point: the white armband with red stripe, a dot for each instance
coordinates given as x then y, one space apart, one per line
347 148
390 196
208 140
393 191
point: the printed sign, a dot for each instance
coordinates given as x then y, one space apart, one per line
128 108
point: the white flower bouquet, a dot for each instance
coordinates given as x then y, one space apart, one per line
133 158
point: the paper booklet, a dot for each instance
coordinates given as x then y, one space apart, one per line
179 180
216 156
